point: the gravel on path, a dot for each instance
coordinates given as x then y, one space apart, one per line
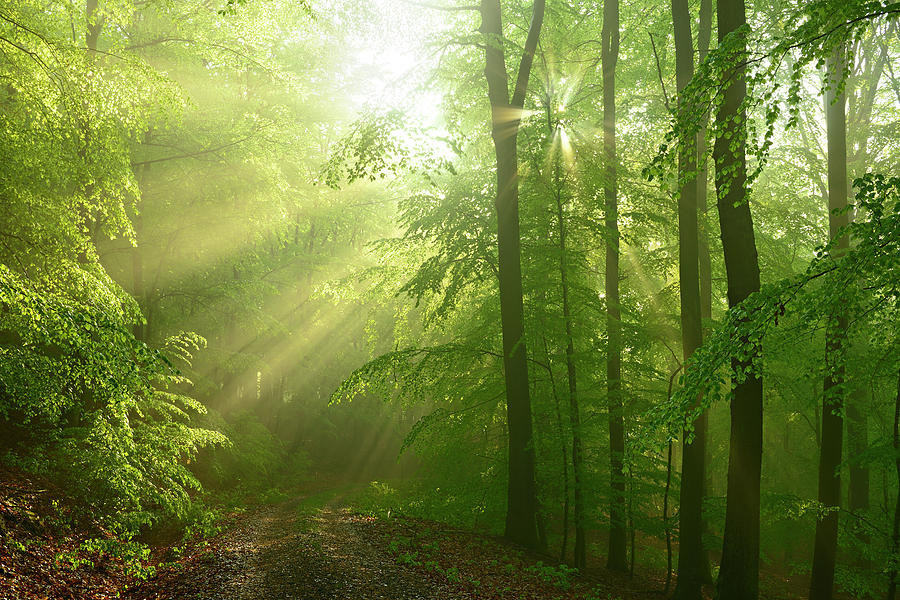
278 553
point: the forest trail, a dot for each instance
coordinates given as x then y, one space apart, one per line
317 548
281 552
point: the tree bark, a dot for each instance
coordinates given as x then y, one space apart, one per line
858 129
138 284
580 556
565 455
690 538
895 533
825 546
93 26
739 571
665 517
857 443
139 329
704 32
617 558
703 35
505 118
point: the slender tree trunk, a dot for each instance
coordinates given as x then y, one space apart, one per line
617 559
895 533
631 529
668 487
505 119
690 538
666 519
858 441
93 23
138 285
825 547
739 571
563 451
704 32
703 35
574 413
137 277
858 131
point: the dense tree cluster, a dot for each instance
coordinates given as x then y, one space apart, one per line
622 271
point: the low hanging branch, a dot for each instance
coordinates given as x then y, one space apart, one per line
874 260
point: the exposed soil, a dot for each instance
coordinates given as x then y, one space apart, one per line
306 548
276 553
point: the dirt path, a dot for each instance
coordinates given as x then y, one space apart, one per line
278 553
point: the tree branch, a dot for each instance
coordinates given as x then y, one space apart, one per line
534 30
194 154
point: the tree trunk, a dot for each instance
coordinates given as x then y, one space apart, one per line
93 26
665 517
565 455
690 539
857 442
895 533
137 276
138 285
825 547
666 491
704 32
505 118
739 571
703 35
574 413
858 131
617 559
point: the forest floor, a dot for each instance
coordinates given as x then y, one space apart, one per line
311 547
312 550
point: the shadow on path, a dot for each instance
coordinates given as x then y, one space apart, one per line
286 552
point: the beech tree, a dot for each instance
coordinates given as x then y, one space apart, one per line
831 449
739 571
506 115
691 565
616 559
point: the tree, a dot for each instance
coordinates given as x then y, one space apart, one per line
506 115
580 557
895 529
830 451
862 88
609 54
739 570
691 564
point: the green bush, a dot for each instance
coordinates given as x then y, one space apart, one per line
86 403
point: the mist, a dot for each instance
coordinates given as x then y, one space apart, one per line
337 299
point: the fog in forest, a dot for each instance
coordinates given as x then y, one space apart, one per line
394 300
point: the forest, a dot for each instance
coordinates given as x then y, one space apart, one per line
443 299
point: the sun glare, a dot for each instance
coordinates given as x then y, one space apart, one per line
396 62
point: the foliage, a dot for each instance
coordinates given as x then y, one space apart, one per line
269 222
451 504
824 29
556 575
252 458
99 404
806 299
